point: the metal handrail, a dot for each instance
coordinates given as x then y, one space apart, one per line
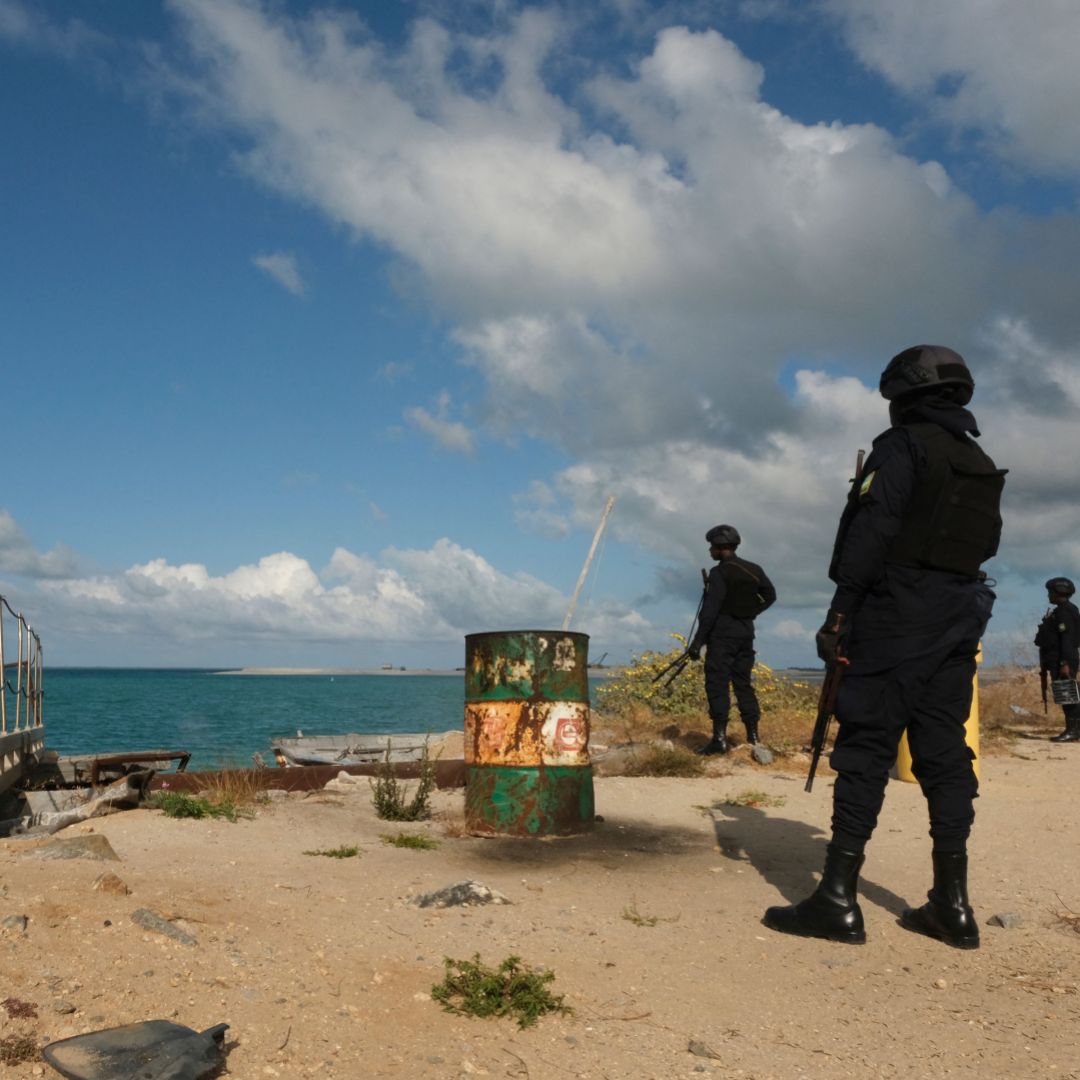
28 690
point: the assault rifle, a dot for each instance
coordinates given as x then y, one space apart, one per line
1043 673
825 709
833 674
675 668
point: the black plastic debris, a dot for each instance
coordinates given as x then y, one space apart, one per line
150 1050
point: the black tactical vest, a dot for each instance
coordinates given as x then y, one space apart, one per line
743 579
954 516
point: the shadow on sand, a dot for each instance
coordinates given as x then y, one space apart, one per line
620 839
787 854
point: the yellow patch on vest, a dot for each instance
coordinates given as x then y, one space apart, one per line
867 481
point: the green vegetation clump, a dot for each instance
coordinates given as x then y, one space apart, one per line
753 798
472 989
178 804
17 1049
390 796
666 761
416 841
346 851
686 694
631 914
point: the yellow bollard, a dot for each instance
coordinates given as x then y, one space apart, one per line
902 769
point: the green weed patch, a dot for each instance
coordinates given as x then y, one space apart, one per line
472 989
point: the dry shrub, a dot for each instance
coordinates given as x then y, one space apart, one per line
390 796
632 708
237 787
666 761
17 1049
1000 688
18 1009
685 695
453 825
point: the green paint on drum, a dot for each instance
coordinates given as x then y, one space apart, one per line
522 673
536 665
546 801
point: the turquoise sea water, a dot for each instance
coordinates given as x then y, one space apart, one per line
223 719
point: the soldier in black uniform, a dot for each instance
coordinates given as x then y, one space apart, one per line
909 610
1058 640
737 592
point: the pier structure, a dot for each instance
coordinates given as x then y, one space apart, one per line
22 720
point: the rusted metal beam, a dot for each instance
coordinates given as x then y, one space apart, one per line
136 757
448 774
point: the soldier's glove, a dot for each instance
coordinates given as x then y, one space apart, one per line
829 636
694 652
1064 671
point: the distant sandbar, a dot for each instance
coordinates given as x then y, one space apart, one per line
337 671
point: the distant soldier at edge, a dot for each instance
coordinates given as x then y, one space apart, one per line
1058 639
737 592
910 608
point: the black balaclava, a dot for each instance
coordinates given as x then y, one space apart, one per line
933 407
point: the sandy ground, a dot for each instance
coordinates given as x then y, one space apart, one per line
321 969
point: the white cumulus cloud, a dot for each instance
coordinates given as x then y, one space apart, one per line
450 434
1004 69
282 267
407 595
687 292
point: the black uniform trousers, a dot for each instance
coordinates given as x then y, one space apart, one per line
1072 715
729 663
921 681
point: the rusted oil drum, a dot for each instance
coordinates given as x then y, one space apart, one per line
527 733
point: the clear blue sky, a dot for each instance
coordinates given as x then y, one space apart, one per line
327 330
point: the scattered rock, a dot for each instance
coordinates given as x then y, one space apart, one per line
346 782
761 754
64 1008
92 846
1019 710
700 1049
275 794
940 984
1009 920
145 918
15 922
460 894
110 883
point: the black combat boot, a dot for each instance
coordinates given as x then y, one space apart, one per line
832 910
718 744
1072 728
948 915
751 732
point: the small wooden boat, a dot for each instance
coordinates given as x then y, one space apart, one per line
346 749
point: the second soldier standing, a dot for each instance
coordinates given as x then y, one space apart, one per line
737 592
1058 641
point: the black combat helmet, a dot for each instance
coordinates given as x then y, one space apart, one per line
723 536
923 368
1060 586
